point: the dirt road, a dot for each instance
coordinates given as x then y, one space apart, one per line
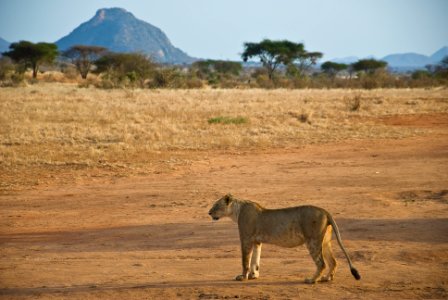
151 238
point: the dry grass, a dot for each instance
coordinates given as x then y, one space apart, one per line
52 129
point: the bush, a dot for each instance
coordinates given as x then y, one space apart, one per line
228 120
6 68
164 78
193 83
125 69
264 82
354 103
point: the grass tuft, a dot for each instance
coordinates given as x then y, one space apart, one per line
354 103
228 120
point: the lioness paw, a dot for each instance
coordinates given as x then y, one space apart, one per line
253 275
310 281
240 278
326 279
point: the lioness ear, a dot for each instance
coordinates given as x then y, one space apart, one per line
229 198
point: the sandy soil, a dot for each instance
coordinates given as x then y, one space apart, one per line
151 238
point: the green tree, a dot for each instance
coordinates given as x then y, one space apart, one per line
32 55
333 68
369 65
121 67
83 57
272 54
303 61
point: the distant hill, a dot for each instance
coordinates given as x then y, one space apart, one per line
407 60
439 55
4 45
119 31
404 61
413 61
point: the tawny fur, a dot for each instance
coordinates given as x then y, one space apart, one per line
286 227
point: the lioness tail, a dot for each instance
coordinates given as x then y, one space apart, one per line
332 222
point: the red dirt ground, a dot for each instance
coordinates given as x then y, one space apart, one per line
151 238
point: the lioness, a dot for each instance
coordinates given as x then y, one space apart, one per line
286 227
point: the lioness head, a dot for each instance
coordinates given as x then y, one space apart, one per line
222 207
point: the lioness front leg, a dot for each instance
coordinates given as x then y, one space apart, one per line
246 251
255 262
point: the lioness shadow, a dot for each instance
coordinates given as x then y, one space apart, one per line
202 235
63 290
127 238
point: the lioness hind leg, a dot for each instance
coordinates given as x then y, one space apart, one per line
330 261
328 255
315 249
255 262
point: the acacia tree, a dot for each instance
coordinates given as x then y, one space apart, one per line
303 61
32 55
272 54
333 68
83 57
369 65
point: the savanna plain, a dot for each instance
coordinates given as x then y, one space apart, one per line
104 194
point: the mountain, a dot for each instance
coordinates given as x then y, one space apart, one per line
439 55
4 45
119 31
407 60
412 61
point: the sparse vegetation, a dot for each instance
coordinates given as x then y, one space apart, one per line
49 127
285 64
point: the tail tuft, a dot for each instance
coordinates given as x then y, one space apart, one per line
355 273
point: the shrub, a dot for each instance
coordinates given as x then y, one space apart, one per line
228 120
264 82
354 103
6 68
125 69
303 117
165 78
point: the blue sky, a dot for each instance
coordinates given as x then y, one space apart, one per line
218 28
